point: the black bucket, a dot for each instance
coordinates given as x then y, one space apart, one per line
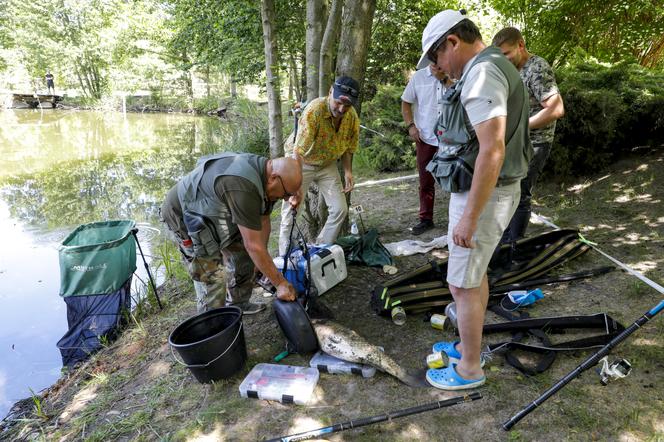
211 344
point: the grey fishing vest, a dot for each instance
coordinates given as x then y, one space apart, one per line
458 146
207 217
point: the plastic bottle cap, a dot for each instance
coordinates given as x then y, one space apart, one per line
187 243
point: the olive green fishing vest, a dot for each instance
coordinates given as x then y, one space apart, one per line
458 145
207 217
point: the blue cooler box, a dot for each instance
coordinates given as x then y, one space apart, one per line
328 268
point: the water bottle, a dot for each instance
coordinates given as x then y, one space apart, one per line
398 315
353 225
450 312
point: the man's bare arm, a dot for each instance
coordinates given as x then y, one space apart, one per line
552 109
257 248
407 114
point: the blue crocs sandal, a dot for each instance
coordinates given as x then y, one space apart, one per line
453 355
448 379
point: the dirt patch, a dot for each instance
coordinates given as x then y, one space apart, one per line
135 390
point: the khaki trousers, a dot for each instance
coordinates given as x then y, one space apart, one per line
328 181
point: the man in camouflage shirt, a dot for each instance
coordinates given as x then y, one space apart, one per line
546 106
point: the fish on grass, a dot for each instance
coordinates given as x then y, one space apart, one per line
344 343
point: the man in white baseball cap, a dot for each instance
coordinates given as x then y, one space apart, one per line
483 153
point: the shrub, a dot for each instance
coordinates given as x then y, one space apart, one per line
393 151
609 110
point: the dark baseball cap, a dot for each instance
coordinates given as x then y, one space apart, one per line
346 88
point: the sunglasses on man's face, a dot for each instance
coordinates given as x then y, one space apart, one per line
432 54
347 89
287 194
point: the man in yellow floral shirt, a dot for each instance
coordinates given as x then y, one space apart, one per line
329 130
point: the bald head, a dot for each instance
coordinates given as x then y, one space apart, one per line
284 177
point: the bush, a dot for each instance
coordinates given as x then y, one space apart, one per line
609 110
393 151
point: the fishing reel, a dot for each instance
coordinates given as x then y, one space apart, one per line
616 370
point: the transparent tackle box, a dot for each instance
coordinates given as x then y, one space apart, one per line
284 383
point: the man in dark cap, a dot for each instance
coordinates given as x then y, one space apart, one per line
329 130
220 216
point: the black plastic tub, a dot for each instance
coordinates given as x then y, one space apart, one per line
211 344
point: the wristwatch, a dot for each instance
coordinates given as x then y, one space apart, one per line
409 126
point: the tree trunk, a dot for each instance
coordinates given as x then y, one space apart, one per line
330 39
268 16
295 78
351 60
315 19
355 38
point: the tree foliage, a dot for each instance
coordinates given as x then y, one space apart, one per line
610 30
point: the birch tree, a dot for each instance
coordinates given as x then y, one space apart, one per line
268 17
316 17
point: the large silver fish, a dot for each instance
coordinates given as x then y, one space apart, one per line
344 343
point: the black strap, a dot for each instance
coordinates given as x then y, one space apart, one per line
522 325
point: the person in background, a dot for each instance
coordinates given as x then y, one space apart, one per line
424 91
483 153
49 83
329 130
546 106
219 215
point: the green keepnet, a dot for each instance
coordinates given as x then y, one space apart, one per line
97 258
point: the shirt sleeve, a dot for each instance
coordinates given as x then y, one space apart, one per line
243 201
306 130
484 93
541 82
409 93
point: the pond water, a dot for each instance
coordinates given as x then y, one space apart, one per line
60 169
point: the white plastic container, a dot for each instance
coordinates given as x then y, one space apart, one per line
329 364
328 268
284 383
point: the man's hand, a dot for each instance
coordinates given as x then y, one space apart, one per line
463 232
349 182
286 292
414 133
296 199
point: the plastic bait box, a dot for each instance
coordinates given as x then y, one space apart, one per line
284 383
329 364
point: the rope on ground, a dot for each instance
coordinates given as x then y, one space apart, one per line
386 180
625 267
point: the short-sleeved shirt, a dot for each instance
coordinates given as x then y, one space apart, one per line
484 93
243 200
239 193
318 141
538 77
424 90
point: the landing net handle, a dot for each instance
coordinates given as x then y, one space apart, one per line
585 365
379 418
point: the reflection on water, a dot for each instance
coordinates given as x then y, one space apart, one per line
60 169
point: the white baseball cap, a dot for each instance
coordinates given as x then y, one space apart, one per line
436 28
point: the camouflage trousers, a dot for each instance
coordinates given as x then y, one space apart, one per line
220 280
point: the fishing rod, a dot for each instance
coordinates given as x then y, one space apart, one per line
375 419
585 365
